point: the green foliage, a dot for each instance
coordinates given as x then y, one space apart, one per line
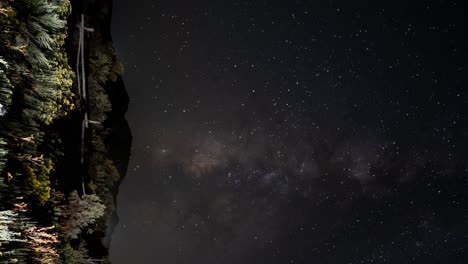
39 182
35 78
13 247
77 256
117 70
74 256
100 104
19 237
104 168
7 219
47 77
6 88
103 68
103 171
81 213
100 70
3 153
53 145
35 91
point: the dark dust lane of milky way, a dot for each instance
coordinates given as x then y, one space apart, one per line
294 132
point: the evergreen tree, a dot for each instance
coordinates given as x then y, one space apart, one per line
3 153
6 88
81 213
42 28
13 247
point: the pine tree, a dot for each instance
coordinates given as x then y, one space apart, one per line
6 88
39 182
42 28
80 214
13 247
3 153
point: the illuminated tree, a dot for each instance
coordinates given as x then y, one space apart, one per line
39 182
42 241
81 213
3 153
42 28
78 256
12 244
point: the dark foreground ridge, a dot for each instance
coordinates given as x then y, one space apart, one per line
119 139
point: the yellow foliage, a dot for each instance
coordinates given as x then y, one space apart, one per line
39 182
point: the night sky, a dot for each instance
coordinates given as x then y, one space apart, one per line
294 132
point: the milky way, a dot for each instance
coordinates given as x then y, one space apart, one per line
293 132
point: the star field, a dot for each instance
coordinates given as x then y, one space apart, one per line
293 132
